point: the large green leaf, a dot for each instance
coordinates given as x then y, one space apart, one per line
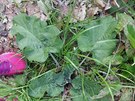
84 88
123 21
130 33
126 22
52 83
35 38
99 37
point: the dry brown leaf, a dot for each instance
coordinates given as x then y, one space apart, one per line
114 2
5 2
32 9
127 94
101 3
79 13
64 10
10 11
108 5
92 11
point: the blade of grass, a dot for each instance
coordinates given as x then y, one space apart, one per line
125 77
109 88
76 67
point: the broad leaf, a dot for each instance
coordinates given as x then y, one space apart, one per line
126 22
51 83
20 79
99 37
123 21
35 38
130 33
5 89
45 6
127 94
104 94
128 70
114 59
84 88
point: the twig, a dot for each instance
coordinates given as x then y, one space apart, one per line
84 60
108 6
56 62
116 3
59 2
